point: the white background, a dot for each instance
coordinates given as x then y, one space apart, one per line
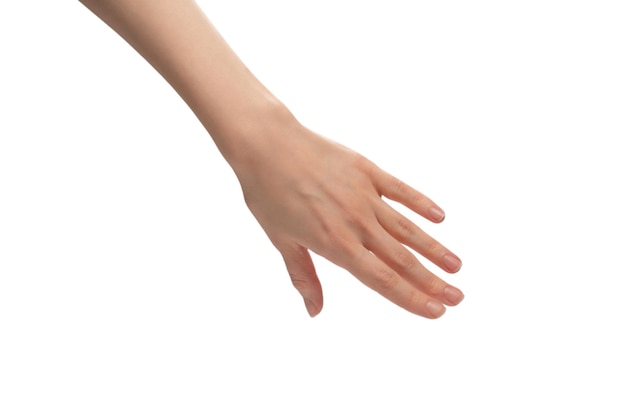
134 282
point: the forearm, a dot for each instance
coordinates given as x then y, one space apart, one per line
178 40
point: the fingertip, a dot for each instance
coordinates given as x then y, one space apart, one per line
453 295
452 263
435 309
436 214
312 308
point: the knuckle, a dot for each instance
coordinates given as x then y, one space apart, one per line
417 198
385 280
300 282
368 230
353 218
432 284
362 162
411 196
405 260
406 228
339 241
356 213
399 186
341 244
433 247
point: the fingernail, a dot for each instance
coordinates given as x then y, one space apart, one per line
310 308
453 295
435 309
437 214
452 263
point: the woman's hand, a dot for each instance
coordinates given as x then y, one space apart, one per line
309 193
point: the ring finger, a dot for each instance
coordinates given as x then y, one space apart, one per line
405 231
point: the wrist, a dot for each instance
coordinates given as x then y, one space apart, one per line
254 132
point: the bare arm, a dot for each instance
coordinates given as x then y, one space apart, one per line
181 43
307 192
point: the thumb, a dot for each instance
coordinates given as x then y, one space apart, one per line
304 278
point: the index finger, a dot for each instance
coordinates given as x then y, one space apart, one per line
398 191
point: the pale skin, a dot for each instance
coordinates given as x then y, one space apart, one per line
306 191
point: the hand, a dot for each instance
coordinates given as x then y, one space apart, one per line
309 193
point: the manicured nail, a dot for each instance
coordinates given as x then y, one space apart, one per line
435 309
437 214
452 263
453 295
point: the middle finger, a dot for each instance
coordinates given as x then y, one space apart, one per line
400 259
406 232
